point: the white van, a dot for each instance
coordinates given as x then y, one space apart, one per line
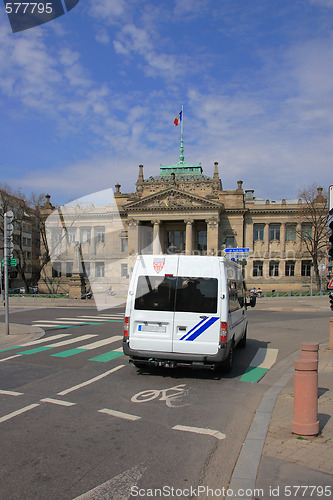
185 311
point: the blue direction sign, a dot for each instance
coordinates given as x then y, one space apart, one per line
237 252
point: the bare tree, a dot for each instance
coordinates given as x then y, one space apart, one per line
29 228
314 227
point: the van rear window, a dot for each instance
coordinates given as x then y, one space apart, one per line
181 294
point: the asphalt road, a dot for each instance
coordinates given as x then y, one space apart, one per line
76 415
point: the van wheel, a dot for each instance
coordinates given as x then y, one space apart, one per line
226 366
242 342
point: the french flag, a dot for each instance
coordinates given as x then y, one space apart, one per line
178 118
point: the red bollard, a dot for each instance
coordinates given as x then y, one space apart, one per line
309 350
305 422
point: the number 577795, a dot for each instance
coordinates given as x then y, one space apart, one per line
28 8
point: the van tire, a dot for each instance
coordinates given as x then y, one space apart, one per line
227 364
242 342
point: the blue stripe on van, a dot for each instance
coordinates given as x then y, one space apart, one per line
196 326
203 328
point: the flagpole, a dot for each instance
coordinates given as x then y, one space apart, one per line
181 157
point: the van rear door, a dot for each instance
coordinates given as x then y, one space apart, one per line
197 316
152 312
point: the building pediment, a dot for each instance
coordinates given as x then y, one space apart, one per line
173 199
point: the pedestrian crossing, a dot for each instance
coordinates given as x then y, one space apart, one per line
44 345
66 345
79 321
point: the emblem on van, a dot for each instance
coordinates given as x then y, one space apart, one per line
158 264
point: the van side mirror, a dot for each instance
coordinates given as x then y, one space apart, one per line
252 301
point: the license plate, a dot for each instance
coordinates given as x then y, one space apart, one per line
152 328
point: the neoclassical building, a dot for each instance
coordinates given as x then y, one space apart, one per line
183 210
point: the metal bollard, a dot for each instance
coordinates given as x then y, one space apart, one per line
305 422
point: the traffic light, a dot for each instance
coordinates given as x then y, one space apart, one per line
8 234
331 301
330 251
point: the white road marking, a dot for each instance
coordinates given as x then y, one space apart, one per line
120 414
47 339
100 343
99 377
10 357
18 412
264 358
57 402
199 430
55 322
71 341
118 488
11 393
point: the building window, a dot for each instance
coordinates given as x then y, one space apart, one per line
274 232
290 233
176 241
306 231
258 232
290 268
230 242
306 267
56 236
69 269
202 241
124 270
99 269
85 234
124 244
71 234
56 270
257 268
274 268
100 234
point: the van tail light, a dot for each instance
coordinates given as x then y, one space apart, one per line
224 332
126 327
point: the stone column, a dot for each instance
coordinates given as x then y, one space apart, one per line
212 235
299 238
133 236
283 238
189 236
266 238
156 237
249 237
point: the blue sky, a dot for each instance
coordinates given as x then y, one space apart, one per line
86 98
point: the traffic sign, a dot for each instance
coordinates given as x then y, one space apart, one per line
330 206
237 252
11 262
330 285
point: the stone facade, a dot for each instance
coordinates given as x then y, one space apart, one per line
184 211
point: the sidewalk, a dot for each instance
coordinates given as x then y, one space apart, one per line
18 335
274 463
315 303
291 461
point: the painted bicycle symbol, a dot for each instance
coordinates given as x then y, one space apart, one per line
170 396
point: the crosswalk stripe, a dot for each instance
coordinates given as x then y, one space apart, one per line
57 344
55 322
263 360
87 347
47 339
100 343
107 356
